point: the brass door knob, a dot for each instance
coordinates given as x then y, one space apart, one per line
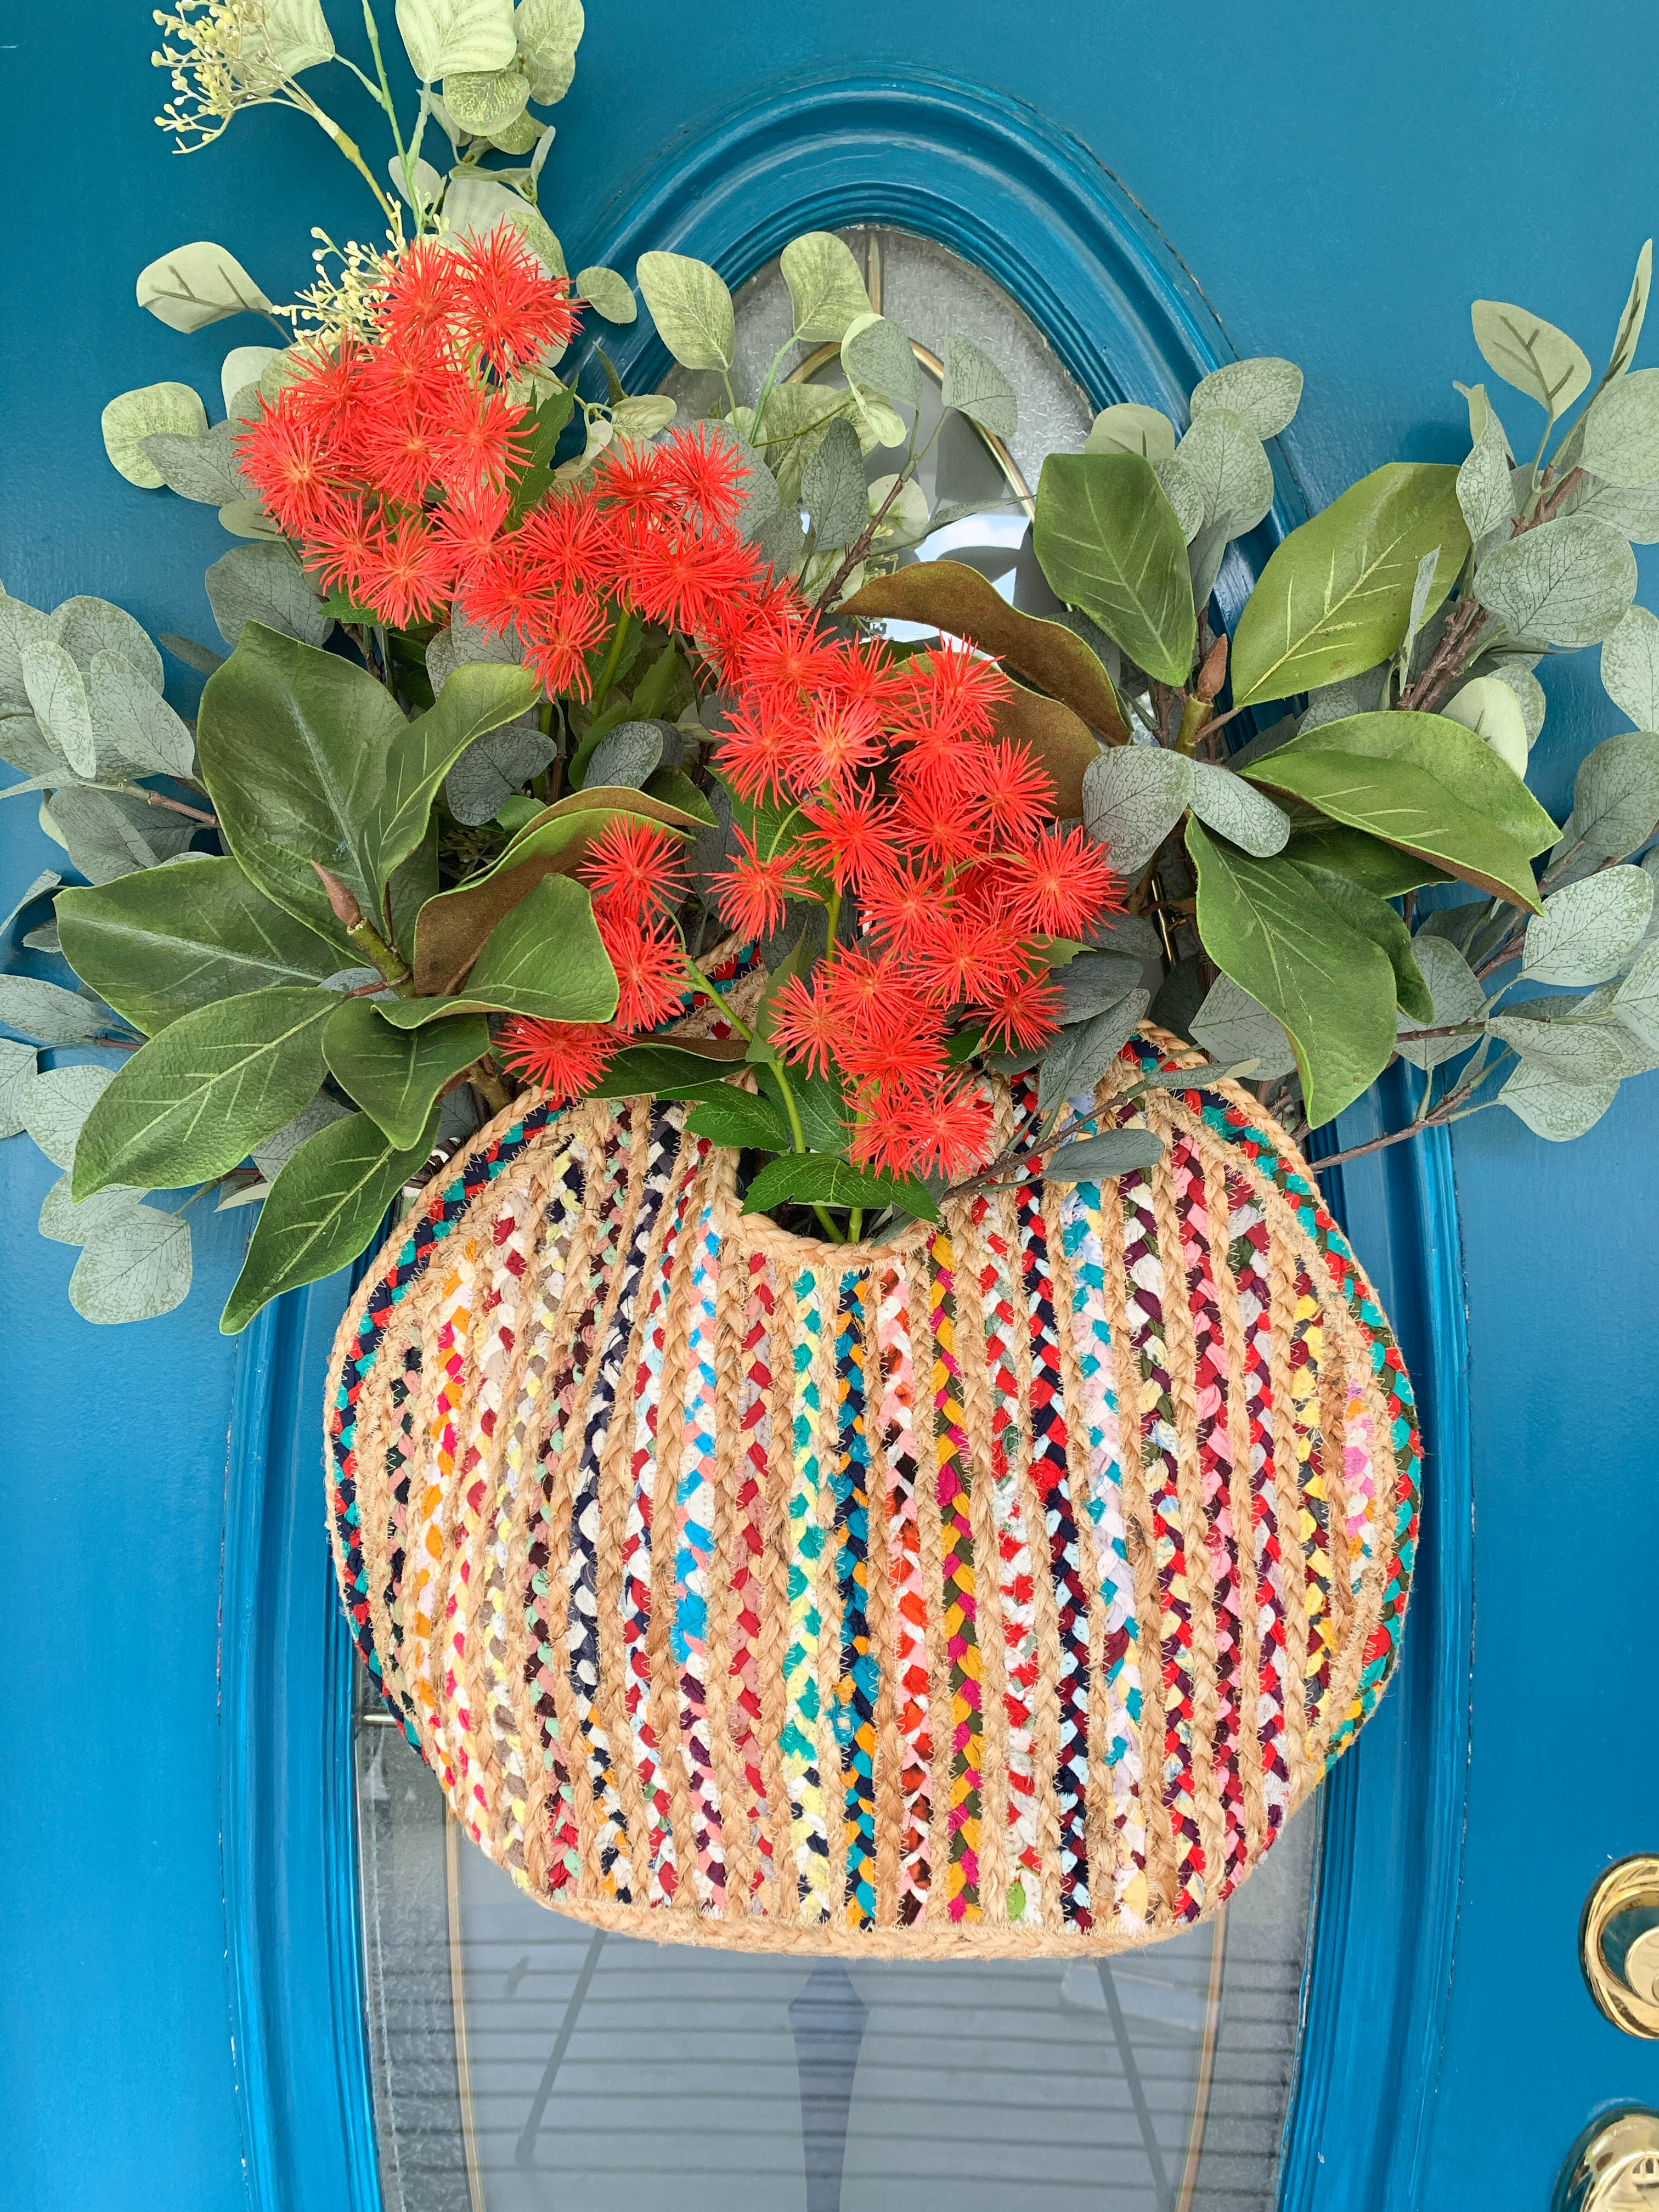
1614 2166
1619 1945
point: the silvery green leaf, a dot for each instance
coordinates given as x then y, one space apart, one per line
1236 810
247 1193
17 1067
1636 999
691 307
58 693
462 642
641 418
47 880
295 35
1131 933
1129 428
608 294
1530 354
1621 430
1228 463
543 147
1457 996
1180 488
108 834
1079 1057
201 468
198 284
490 771
1632 510
45 938
241 367
1265 392
1493 710
1574 1051
458 1116
1630 667
245 518
441 36
475 204
1526 689
133 720
65 1223
833 490
976 387
1232 1026
1484 488
1630 323
422 188
1588 929
907 521
1091 982
626 755
47 1013
21 624
1615 795
84 626
1133 797
1555 1108
1354 694
878 358
548 32
1569 580
276 1150
827 291
1096 1159
132 416
1264 742
136 1267
1420 590
486 101
58 1102
264 584
781 541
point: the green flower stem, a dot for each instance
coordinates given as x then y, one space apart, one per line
607 674
484 1080
353 153
1195 713
855 1226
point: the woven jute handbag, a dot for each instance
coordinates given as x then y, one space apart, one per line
1001 1589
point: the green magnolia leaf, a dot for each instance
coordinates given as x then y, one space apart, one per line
1453 756
133 723
198 284
1554 1107
1335 596
1133 797
465 36
1485 489
1588 930
1129 428
58 694
133 1267
1265 392
263 585
877 356
1231 1026
608 294
132 416
56 1105
1615 795
47 1013
190 1104
1621 430
833 488
323 1206
1079 1057
486 102
738 1118
548 32
395 1075
1268 925
477 699
1454 994
692 308
976 387
1630 667
1569 580
1530 354
826 291
1097 1159
825 1179
1371 916
543 958
1109 543
1236 810
160 943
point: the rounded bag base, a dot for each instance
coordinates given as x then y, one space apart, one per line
745 1589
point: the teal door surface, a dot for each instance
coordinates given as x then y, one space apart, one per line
187 1987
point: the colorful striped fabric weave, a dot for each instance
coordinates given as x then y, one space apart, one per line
999 1589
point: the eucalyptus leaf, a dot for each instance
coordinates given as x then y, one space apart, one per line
133 417
1636 999
47 880
1530 354
242 367
1236 810
462 36
46 1012
1456 994
202 468
1569 580
58 694
1588 930
1079 1057
486 101
608 294
877 356
1528 690
1485 493
492 770
1097 1159
833 488
65 1223
1631 509
1132 797
1335 703
625 756
1265 392
548 32
692 308
108 834
1554 1108
21 624
265 584
1615 795
1109 543
422 187
1231 1026
269 1156
1091 982
1574 1050
135 1267
132 722
56 1105
198 284
826 291
1621 430
1630 667
18 1063
85 626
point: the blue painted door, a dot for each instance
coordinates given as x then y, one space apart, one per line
1158 188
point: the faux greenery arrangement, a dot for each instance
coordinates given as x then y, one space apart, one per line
536 698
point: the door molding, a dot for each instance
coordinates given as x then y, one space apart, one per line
1034 208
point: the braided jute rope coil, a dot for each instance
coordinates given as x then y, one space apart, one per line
999 1589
